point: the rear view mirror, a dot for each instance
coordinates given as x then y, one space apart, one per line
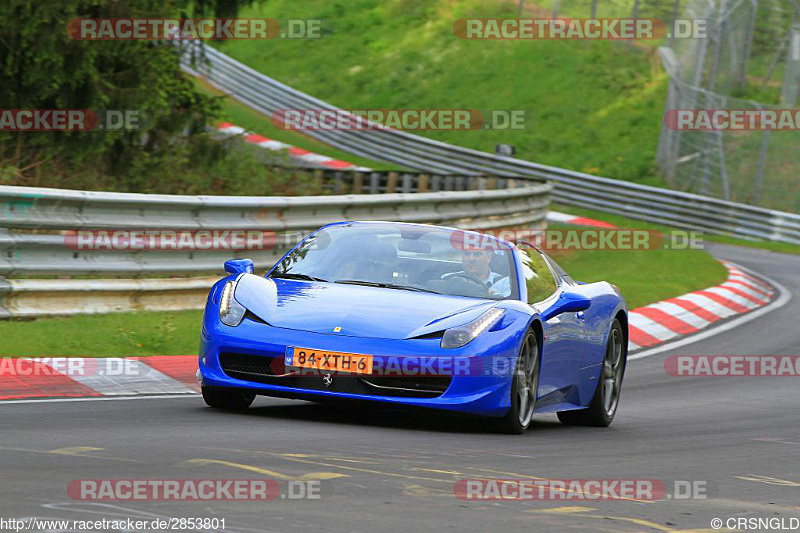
417 247
239 266
567 302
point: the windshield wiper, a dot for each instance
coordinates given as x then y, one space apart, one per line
292 275
384 285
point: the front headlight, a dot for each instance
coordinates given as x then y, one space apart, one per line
231 312
458 337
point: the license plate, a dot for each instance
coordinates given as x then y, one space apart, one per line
323 360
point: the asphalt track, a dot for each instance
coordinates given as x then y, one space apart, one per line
395 471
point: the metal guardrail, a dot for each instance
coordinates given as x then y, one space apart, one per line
35 224
652 204
33 221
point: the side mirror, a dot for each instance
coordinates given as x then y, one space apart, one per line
567 302
239 266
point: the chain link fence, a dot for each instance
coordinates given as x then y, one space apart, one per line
749 60
753 167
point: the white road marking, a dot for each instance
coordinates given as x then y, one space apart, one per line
680 313
747 290
649 326
732 296
101 399
708 304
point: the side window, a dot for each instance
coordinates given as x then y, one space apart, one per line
538 277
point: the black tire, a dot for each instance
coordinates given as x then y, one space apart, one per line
227 398
601 411
516 422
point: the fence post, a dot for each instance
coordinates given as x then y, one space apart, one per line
358 183
676 11
748 44
391 182
422 183
716 37
762 166
556 4
634 15
791 82
594 9
406 183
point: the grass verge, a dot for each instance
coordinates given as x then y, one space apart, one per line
111 335
644 276
708 238
593 106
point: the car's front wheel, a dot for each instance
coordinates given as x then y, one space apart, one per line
605 401
227 398
524 388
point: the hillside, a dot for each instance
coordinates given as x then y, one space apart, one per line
593 106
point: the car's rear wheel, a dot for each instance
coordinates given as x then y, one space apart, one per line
605 401
227 398
524 387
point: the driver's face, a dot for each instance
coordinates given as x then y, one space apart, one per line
476 263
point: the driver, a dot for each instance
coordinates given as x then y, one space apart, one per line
476 264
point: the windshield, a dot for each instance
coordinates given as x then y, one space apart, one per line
405 257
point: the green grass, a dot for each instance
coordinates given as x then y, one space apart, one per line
111 335
593 106
239 114
708 238
644 276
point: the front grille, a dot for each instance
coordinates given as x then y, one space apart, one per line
248 365
270 371
436 384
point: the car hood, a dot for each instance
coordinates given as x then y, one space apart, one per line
359 311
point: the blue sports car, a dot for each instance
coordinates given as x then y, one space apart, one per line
417 315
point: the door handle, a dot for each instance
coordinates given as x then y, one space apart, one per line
580 314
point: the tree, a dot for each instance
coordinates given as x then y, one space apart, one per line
42 67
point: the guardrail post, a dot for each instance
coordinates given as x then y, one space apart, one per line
391 182
5 289
337 183
319 178
406 183
358 182
422 183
